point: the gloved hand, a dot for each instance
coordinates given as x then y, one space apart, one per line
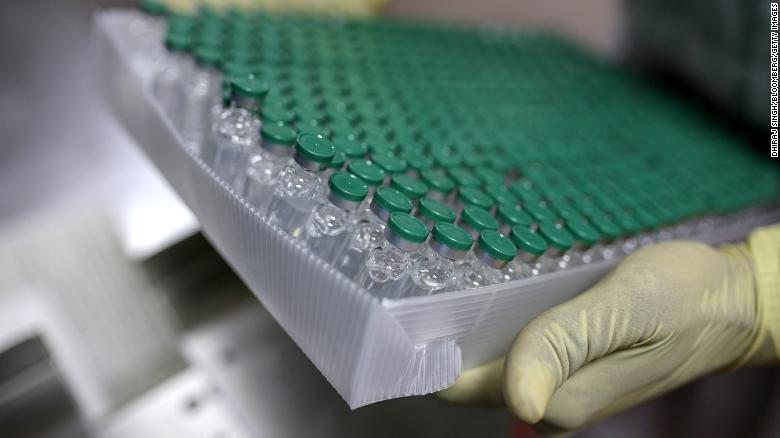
666 315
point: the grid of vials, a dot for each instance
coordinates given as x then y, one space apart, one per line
420 158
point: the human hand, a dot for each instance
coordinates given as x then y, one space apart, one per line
666 315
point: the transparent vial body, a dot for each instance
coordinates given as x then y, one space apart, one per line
237 135
385 268
262 172
473 273
326 230
429 274
553 259
523 266
146 51
202 92
367 234
217 113
294 197
168 88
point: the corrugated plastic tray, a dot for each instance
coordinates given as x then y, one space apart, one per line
369 350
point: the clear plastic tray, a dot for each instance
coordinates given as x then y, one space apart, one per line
369 350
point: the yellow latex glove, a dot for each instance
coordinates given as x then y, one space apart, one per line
664 316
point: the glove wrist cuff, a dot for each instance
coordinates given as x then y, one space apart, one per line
764 246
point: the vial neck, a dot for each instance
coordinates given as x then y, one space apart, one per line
438 196
341 203
488 260
245 102
400 243
526 257
471 230
306 165
440 258
380 213
179 57
427 221
554 252
275 149
297 168
444 251
578 246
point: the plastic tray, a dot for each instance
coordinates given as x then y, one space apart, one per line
369 350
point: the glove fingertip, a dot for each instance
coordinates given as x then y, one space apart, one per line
527 391
479 385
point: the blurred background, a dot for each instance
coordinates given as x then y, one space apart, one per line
118 319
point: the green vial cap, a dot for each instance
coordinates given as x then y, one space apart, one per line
489 177
416 161
556 237
556 199
152 7
313 129
539 213
409 186
249 86
392 200
499 163
463 177
278 133
369 172
233 68
389 163
500 194
589 209
180 21
606 226
583 231
522 189
529 197
314 148
215 33
512 215
647 219
437 181
176 42
307 110
343 132
665 213
338 160
375 135
436 211
452 236
348 187
475 197
628 223
407 227
210 56
307 114
353 148
276 113
478 218
446 158
498 246
377 148
568 213
528 241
